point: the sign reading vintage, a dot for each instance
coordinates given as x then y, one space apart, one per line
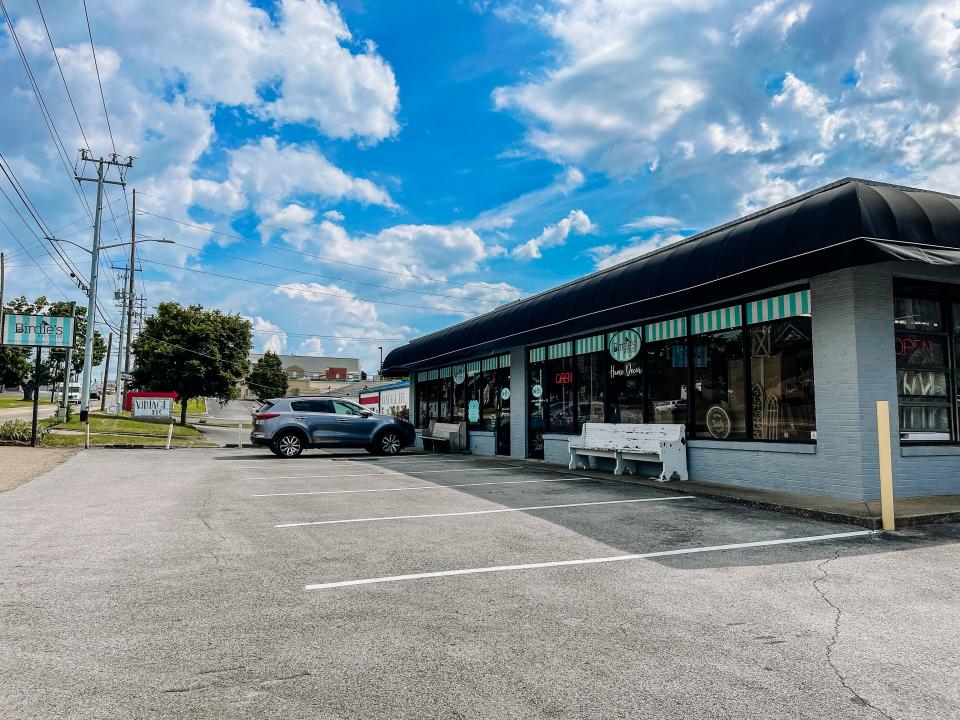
624 345
154 407
37 331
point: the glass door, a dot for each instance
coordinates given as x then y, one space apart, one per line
503 411
536 410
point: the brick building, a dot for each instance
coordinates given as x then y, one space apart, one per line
771 338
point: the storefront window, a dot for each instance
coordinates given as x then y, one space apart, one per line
781 375
560 394
445 392
502 401
923 368
719 408
667 382
590 381
536 406
625 390
476 383
488 401
459 390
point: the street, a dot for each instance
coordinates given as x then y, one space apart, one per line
226 583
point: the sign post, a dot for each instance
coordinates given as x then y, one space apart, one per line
37 331
36 400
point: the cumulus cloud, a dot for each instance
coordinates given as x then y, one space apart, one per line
745 115
554 235
267 335
605 256
652 222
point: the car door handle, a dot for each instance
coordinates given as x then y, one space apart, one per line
341 419
301 417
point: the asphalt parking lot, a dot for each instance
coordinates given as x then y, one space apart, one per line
231 584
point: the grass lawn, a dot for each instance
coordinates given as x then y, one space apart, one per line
52 440
121 425
196 406
12 402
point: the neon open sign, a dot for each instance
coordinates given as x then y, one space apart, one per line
907 346
564 378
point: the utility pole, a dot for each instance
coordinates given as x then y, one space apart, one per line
3 272
133 255
106 374
103 165
68 366
119 379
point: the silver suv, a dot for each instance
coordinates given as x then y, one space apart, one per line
289 425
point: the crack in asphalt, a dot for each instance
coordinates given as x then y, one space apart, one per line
834 639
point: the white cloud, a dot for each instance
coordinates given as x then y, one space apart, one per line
267 335
554 235
717 101
605 256
652 222
334 216
312 346
298 69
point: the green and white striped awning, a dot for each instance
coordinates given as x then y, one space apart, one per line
505 360
422 376
560 350
776 308
473 367
490 363
596 343
538 354
665 330
713 320
446 372
433 374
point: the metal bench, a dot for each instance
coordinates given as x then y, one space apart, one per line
451 434
664 444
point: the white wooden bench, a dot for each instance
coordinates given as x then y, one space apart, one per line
664 444
451 434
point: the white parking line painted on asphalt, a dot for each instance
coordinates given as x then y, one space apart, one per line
589 561
387 474
485 512
355 466
421 487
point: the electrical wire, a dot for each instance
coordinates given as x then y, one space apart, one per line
409 276
287 286
96 66
319 275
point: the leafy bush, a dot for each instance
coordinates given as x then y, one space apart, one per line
19 431
15 430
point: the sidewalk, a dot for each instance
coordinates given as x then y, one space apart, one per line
907 511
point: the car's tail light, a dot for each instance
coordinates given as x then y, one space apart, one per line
265 416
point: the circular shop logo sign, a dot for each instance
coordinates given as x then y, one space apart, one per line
536 391
624 345
459 376
505 394
718 422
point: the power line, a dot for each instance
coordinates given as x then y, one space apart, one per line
319 275
233 216
326 337
409 276
14 236
287 286
53 49
96 66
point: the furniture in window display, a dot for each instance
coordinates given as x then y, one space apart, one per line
631 443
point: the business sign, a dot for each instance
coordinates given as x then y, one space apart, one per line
505 393
473 411
459 375
37 331
624 345
152 407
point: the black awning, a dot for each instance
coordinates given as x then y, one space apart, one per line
845 224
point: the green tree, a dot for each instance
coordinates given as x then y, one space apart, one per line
193 352
14 366
268 379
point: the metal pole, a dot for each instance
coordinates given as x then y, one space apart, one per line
36 400
133 251
886 465
2 274
69 366
119 380
91 303
106 374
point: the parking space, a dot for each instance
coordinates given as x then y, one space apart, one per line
232 583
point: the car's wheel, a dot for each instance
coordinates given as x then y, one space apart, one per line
388 443
274 449
288 445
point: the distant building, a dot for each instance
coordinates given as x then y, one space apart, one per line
311 375
392 399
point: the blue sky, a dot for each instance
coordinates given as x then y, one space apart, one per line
368 171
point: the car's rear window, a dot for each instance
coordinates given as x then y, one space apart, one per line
266 406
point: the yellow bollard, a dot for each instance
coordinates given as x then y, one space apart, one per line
886 464
169 433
